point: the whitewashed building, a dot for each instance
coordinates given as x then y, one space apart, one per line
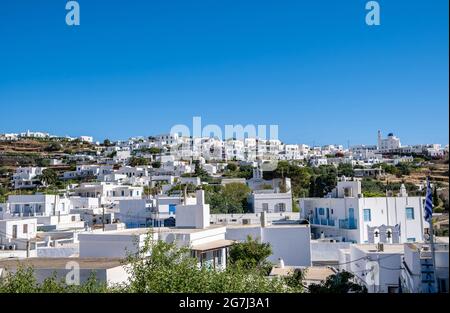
346 215
27 177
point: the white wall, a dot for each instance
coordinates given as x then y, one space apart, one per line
272 200
112 246
291 243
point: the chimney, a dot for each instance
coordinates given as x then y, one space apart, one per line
200 195
263 219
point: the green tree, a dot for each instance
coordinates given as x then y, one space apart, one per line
323 181
245 171
156 164
53 147
162 267
338 283
232 167
136 161
435 198
345 169
231 198
251 255
49 177
24 281
300 177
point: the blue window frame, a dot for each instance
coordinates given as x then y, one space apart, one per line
321 211
172 208
409 213
367 216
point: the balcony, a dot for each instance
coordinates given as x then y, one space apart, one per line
322 221
348 223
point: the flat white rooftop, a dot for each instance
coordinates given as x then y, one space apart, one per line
387 248
60 263
143 231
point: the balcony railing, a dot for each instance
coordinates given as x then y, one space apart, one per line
348 223
322 221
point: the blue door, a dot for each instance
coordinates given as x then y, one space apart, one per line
351 218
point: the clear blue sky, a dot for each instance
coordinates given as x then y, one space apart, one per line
314 68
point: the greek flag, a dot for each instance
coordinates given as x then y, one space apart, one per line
428 203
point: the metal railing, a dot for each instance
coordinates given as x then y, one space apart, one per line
348 223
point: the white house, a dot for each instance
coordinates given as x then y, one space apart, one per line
88 171
27 177
88 139
108 192
17 238
270 202
207 243
394 268
377 267
110 271
51 211
318 161
418 274
289 242
348 216
136 213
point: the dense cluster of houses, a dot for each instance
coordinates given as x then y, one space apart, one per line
107 213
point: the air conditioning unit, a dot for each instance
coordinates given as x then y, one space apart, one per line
246 221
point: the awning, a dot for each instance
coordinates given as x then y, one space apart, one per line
214 245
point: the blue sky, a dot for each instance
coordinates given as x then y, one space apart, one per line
313 67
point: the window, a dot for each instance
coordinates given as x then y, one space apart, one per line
409 213
392 289
25 228
321 211
281 207
14 231
442 284
412 239
367 216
